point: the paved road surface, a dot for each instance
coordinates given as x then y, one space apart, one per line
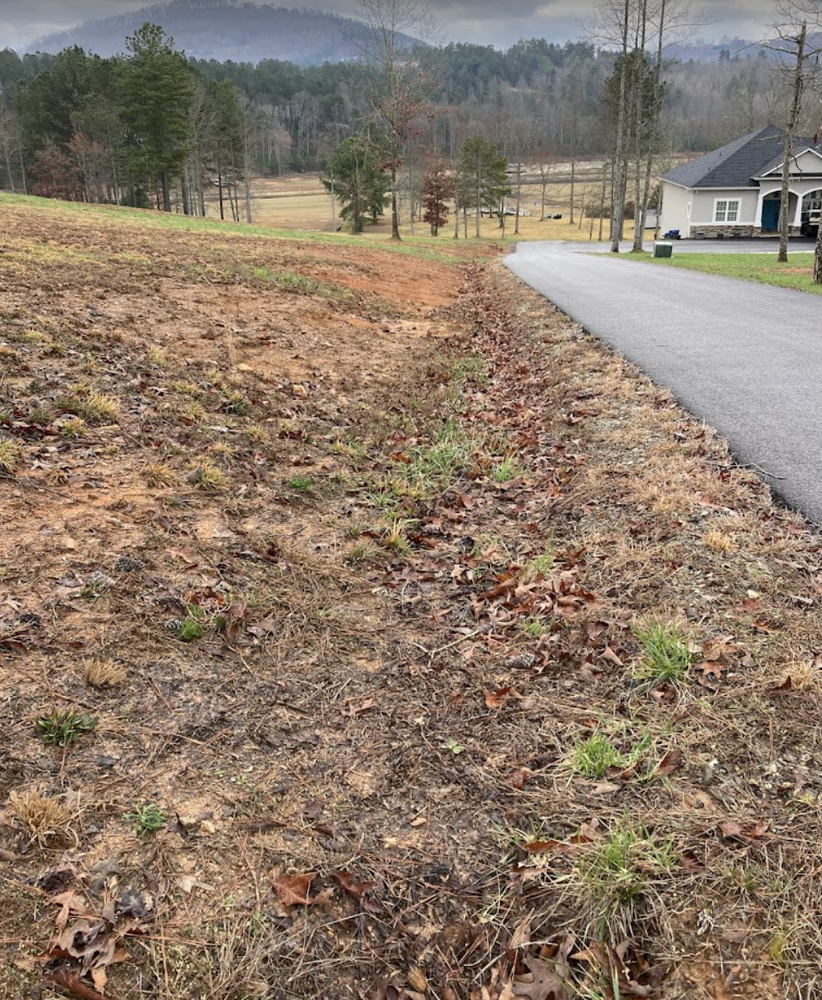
745 358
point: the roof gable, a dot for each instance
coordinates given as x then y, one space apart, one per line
736 164
803 150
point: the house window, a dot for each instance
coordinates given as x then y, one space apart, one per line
726 210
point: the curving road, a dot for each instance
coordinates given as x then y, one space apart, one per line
745 358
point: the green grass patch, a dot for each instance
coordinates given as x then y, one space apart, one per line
763 268
617 872
666 658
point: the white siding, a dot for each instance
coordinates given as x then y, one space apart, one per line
675 203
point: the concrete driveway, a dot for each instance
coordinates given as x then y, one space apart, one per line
745 358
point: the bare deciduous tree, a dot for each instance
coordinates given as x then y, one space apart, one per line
403 89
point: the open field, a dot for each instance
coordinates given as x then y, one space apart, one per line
302 202
760 267
368 632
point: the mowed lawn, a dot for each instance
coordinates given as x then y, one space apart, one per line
761 267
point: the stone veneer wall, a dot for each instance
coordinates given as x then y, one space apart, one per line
728 232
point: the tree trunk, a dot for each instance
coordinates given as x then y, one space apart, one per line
220 190
796 107
618 201
164 181
9 174
519 195
602 194
544 180
653 139
817 259
395 215
23 171
573 179
186 199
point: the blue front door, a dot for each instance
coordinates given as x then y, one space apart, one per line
770 214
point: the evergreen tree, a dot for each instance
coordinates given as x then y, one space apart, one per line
437 191
357 177
157 90
483 181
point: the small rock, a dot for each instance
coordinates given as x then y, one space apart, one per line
299 391
208 827
187 821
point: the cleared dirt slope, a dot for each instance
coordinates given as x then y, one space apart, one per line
367 631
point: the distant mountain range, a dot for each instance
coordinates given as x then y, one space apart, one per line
225 29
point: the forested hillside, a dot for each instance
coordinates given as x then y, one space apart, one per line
81 126
224 30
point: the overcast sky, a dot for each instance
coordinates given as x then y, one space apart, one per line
486 21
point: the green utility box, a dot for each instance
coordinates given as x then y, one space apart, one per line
663 249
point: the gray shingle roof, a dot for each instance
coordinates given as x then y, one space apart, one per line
736 164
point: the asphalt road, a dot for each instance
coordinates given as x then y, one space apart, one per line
745 358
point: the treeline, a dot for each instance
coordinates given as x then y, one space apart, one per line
146 129
299 113
152 128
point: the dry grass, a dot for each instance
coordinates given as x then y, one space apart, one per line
303 203
44 817
719 541
413 721
9 456
158 474
104 673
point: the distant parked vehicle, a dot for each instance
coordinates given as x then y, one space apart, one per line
810 223
673 234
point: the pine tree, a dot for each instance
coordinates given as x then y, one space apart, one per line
483 182
356 175
437 191
157 90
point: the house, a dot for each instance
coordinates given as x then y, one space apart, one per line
736 190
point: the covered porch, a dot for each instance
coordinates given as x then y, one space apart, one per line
804 202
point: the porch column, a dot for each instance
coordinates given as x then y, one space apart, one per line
797 216
758 217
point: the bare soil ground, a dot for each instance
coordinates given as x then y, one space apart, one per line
367 631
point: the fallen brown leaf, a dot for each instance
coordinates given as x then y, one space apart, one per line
542 983
352 886
293 890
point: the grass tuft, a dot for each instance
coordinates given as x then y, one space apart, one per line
208 477
93 407
104 673
156 474
9 456
506 470
592 757
44 817
666 658
617 874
